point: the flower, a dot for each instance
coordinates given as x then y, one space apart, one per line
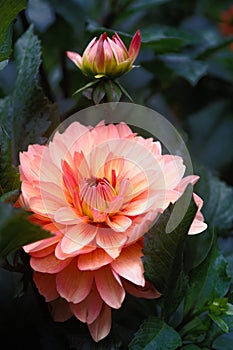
105 57
226 23
98 190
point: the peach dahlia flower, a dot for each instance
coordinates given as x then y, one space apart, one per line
97 189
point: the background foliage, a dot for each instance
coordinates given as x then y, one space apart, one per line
186 74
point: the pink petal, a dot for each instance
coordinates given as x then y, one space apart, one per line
100 328
32 156
89 309
110 241
93 260
49 264
124 130
173 171
43 252
198 225
75 57
67 216
135 46
78 236
41 245
46 284
119 223
109 289
129 264
59 253
146 292
117 40
60 310
73 284
99 58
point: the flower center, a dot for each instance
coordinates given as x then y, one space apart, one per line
96 194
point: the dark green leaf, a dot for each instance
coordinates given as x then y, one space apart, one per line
220 322
113 91
85 87
98 92
10 196
194 331
217 196
26 113
163 251
192 347
207 281
154 334
8 10
16 230
210 51
9 177
164 39
183 66
224 342
207 127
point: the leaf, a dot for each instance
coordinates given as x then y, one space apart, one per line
217 196
154 334
9 177
113 91
98 92
165 39
208 281
215 48
26 113
85 87
16 230
206 128
8 10
220 322
185 67
224 342
163 251
191 347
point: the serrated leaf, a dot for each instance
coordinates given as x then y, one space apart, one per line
9 177
26 113
16 230
208 281
154 334
8 10
217 196
163 259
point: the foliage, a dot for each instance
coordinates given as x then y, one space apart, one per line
185 73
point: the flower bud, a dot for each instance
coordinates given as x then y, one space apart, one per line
105 57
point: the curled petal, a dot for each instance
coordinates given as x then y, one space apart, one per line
198 225
146 292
